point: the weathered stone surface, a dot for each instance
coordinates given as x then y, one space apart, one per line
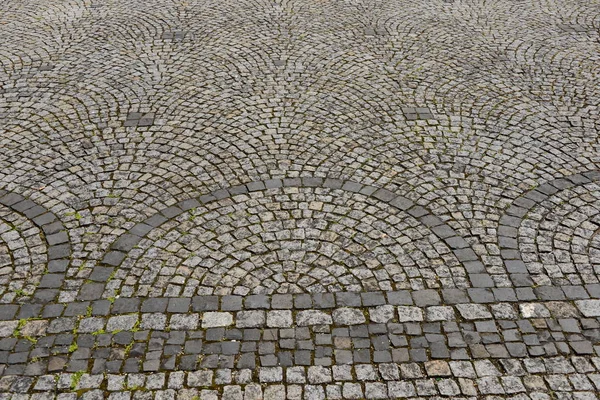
382 314
440 313
279 319
250 319
313 317
216 319
7 328
121 322
348 316
35 328
408 314
534 310
589 308
473 311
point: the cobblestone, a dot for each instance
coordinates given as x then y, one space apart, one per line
299 199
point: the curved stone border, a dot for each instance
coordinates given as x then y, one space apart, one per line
508 229
127 241
57 238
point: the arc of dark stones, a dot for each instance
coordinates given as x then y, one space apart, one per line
510 221
127 241
57 238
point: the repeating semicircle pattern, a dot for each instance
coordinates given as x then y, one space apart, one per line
301 199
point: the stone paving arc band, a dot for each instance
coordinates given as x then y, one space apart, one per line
60 248
57 240
445 233
516 214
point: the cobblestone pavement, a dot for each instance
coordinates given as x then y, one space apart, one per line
301 199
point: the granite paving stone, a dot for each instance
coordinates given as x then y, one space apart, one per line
299 199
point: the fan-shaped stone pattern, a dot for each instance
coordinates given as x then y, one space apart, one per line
555 237
289 240
23 255
551 232
433 258
296 98
34 250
